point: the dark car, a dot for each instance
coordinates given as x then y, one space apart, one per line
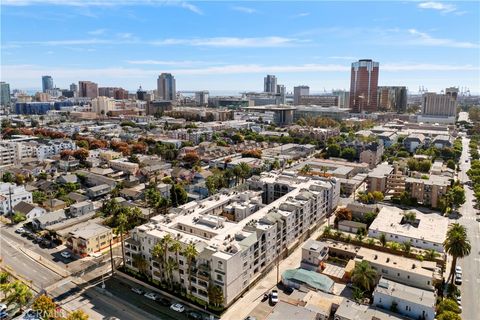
288 290
194 315
164 302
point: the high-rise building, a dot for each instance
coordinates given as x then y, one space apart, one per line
363 86
452 92
87 89
113 92
438 105
392 99
343 98
166 88
298 92
282 92
74 88
4 94
102 105
270 84
201 98
47 83
141 94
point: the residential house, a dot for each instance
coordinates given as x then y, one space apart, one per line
54 204
98 191
49 219
313 253
11 195
442 141
81 208
29 210
409 301
413 141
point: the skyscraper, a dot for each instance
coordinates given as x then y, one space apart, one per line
452 92
392 99
363 86
47 83
166 89
270 84
74 88
87 89
4 93
298 92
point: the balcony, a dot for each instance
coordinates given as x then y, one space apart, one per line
203 275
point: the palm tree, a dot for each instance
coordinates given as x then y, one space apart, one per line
306 169
122 222
327 231
383 239
407 246
176 247
157 254
457 245
394 246
364 276
190 253
170 265
245 170
430 254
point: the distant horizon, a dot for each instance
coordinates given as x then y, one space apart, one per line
228 45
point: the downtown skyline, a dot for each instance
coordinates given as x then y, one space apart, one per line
233 45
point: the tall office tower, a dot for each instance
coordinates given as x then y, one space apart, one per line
47 83
282 93
363 86
201 98
343 98
141 94
298 92
73 87
270 84
452 92
438 105
4 94
392 99
87 89
166 88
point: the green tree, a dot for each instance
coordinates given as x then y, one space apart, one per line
8 177
407 246
457 195
157 254
178 195
140 263
377 196
451 164
215 295
448 305
364 276
430 254
18 217
190 252
77 315
39 196
16 292
333 150
4 277
170 266
306 169
45 305
348 153
122 224
176 247
448 315
383 239
457 245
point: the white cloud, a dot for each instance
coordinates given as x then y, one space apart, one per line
442 7
105 3
97 32
301 14
244 9
424 39
230 42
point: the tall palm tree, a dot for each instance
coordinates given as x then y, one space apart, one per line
157 254
364 276
170 265
166 241
122 222
383 239
176 247
457 245
306 169
246 170
190 253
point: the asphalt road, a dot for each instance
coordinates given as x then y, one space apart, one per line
24 266
470 287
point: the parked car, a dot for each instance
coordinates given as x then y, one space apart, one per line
250 318
288 290
177 307
164 302
66 254
20 230
152 295
459 300
274 296
3 307
138 290
3 314
458 269
194 315
458 279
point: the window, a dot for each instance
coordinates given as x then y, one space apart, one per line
220 265
219 277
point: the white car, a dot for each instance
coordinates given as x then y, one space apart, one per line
274 296
459 300
177 307
20 230
458 279
458 269
66 255
152 296
138 291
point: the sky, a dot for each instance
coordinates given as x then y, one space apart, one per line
231 46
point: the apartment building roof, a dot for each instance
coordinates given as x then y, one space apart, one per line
432 180
351 310
88 230
381 171
427 227
285 310
392 261
406 293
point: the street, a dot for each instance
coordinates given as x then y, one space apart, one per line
471 264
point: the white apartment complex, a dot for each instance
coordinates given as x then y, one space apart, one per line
12 152
428 231
11 195
234 252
